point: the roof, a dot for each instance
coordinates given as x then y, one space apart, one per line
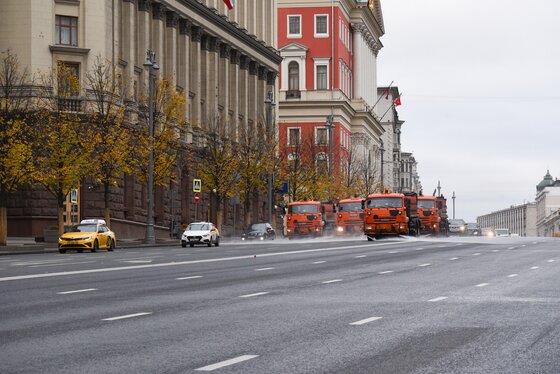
546 182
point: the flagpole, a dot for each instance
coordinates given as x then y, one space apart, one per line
388 88
392 105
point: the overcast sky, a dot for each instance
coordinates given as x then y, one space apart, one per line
480 85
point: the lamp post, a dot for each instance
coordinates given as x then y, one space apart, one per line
269 101
382 150
329 124
453 197
150 63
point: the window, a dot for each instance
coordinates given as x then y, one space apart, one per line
321 77
294 136
69 78
294 26
66 32
322 162
293 76
321 136
321 25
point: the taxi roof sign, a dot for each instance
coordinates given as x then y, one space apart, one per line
94 220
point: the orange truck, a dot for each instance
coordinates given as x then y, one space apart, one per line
304 218
428 213
350 216
391 214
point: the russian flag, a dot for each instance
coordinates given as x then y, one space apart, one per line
229 3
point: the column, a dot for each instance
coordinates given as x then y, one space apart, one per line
252 95
170 66
195 75
204 77
223 86
243 94
158 33
128 43
144 42
215 115
233 95
183 62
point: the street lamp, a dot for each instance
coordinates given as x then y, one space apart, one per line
453 197
270 104
150 63
329 124
382 150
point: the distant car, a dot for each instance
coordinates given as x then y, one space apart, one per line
200 233
92 234
457 227
473 229
502 232
488 232
259 231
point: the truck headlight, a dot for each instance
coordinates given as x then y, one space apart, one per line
340 229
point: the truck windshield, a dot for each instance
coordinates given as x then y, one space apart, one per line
426 204
350 207
303 209
385 202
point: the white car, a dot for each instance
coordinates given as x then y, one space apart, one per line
200 233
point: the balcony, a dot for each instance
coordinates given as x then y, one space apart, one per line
69 104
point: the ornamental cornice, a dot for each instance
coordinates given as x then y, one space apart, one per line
367 36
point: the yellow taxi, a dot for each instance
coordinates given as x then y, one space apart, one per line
92 234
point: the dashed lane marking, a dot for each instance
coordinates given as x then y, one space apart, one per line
551 260
332 281
264 269
424 265
364 321
512 275
318 262
65 263
476 254
535 267
453 258
360 256
225 363
482 285
77 291
254 294
437 299
386 272
127 316
191 277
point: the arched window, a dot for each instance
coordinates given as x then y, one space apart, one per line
322 163
293 76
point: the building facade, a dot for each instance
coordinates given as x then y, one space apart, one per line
223 61
548 206
520 220
328 80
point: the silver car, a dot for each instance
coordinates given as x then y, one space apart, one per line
457 227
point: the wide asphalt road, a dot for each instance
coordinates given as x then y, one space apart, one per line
455 305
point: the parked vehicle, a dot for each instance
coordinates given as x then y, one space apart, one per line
391 214
201 233
304 218
350 216
457 227
91 234
428 214
259 231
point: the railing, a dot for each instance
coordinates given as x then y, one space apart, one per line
70 104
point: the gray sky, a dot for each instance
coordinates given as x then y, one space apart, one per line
480 85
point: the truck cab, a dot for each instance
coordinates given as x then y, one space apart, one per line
385 214
428 214
350 216
304 218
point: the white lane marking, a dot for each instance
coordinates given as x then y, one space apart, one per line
139 261
419 249
364 321
453 258
225 363
523 245
512 275
360 256
30 263
551 260
482 285
76 291
495 250
458 244
319 262
511 248
191 277
386 272
166 264
66 263
534 242
393 252
127 316
264 269
138 258
332 281
441 246
423 265
254 294
437 299
476 254
534 268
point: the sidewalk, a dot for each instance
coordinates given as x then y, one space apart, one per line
17 246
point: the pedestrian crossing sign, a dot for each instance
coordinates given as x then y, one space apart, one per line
197 185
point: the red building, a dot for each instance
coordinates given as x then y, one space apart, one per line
328 81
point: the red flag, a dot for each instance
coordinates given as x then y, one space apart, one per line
229 3
398 101
387 92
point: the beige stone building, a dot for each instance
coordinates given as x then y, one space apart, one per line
223 61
